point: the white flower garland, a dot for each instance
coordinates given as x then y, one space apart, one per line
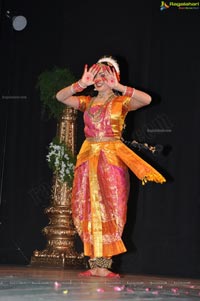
61 161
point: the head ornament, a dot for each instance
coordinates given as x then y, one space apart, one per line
110 62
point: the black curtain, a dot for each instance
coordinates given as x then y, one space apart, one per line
158 51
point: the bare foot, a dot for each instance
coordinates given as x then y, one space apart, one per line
102 272
99 272
91 272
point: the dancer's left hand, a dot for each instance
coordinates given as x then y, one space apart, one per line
111 77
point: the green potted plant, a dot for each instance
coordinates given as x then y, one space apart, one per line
49 82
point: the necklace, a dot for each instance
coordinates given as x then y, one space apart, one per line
97 115
102 94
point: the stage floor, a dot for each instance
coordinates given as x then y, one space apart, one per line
28 283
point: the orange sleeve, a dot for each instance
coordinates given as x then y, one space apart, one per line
83 102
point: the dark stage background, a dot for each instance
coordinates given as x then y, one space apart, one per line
159 53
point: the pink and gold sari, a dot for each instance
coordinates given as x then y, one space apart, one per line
101 179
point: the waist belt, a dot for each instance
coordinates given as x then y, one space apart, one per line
101 139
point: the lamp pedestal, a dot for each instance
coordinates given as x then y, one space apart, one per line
60 232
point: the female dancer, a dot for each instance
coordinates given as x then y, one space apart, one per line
101 179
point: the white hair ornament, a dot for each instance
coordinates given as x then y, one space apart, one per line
110 61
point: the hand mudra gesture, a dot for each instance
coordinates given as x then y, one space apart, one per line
89 74
111 77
